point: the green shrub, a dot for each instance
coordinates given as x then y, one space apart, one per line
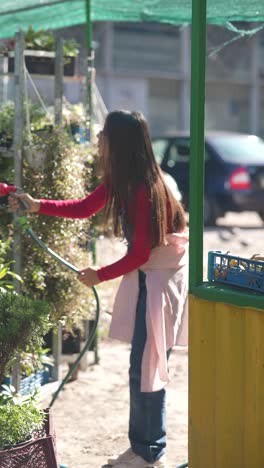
23 323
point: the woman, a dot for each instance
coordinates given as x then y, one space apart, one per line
150 309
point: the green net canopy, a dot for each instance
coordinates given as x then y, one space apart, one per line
53 14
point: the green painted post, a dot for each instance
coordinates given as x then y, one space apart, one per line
90 119
90 63
197 141
88 24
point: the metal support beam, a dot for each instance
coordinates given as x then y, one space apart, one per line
255 100
90 71
184 122
56 352
18 165
59 68
197 141
108 68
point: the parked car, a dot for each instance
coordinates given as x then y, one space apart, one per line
173 186
234 171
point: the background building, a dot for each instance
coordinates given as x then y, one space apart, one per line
146 66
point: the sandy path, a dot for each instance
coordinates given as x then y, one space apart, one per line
91 414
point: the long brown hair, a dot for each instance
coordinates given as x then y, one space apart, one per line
130 163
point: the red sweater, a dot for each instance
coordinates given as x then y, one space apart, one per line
139 217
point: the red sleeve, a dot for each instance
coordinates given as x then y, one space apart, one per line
82 208
141 242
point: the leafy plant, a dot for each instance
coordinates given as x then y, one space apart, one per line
9 394
23 323
6 274
35 360
73 114
7 115
70 171
39 120
20 417
45 40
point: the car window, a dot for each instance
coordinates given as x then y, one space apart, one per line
239 148
159 147
179 151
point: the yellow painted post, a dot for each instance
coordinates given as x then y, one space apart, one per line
226 386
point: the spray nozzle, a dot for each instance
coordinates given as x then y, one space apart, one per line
6 189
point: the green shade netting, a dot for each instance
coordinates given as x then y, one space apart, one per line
53 14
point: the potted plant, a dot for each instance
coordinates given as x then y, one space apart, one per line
19 417
27 435
40 52
26 432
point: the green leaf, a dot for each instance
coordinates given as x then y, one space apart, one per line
3 272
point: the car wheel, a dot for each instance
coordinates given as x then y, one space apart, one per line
210 212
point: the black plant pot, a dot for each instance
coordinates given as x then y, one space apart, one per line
43 65
71 343
5 141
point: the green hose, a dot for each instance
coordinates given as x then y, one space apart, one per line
86 347
23 222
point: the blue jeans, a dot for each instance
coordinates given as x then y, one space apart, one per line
147 419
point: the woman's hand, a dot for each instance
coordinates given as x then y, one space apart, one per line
89 277
32 205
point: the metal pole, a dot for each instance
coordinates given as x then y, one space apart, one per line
90 71
90 78
255 87
59 68
18 164
197 141
59 72
56 352
185 83
108 48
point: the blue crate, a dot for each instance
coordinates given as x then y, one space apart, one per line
236 271
28 384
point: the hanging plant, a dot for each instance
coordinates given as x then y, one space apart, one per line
69 170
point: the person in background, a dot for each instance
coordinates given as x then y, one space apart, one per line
150 309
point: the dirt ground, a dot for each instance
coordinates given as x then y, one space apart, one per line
91 414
